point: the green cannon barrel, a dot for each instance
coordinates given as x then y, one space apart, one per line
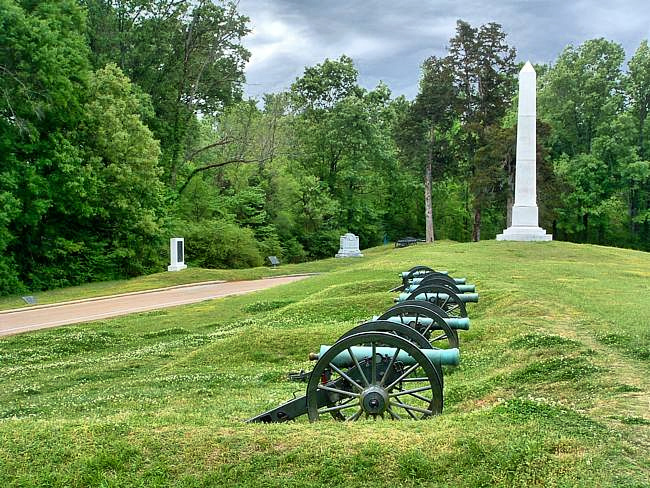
461 323
419 276
461 288
447 357
464 297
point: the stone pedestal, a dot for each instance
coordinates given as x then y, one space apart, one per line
524 233
349 247
525 225
177 254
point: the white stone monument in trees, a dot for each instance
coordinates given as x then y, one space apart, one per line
525 225
177 254
349 247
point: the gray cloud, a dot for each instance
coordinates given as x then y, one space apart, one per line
388 40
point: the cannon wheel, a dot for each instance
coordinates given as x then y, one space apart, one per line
402 330
444 284
415 392
434 277
439 279
414 271
407 331
420 309
452 305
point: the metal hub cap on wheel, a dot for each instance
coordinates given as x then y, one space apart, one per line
374 400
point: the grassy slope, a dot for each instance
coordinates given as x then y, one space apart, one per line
553 389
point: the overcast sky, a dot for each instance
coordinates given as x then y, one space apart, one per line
388 40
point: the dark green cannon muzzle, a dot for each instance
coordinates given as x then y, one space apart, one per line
446 357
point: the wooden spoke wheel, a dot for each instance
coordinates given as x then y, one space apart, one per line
374 375
427 319
440 280
403 330
416 271
441 296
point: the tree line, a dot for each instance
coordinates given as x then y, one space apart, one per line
123 123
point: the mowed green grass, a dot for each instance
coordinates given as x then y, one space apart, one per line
553 387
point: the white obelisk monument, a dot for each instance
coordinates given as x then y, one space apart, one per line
525 225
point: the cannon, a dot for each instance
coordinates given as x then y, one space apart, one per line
429 320
435 278
421 318
455 288
422 271
452 303
378 370
420 274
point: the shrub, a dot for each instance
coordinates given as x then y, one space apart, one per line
220 244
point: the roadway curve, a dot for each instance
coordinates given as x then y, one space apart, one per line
25 319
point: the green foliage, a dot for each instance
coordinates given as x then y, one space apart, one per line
220 244
322 86
484 70
186 55
345 149
637 87
596 142
123 156
44 72
425 127
581 94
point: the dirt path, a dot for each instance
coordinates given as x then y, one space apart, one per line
26 319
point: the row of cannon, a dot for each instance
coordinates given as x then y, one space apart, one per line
389 367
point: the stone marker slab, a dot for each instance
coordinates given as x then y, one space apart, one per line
349 247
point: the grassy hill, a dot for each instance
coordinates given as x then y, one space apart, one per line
553 387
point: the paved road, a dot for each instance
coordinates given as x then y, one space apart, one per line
26 319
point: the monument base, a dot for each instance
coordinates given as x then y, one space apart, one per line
176 267
348 254
523 233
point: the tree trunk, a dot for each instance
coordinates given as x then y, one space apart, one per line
631 210
466 222
428 205
476 227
